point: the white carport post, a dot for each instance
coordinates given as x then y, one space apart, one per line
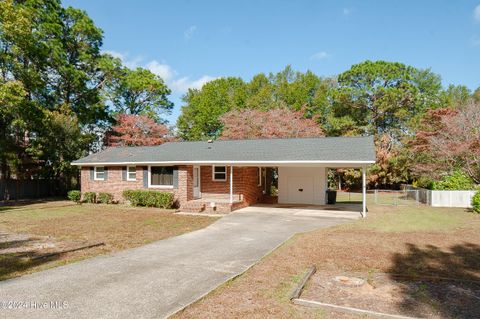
364 191
231 184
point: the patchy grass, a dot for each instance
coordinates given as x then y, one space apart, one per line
119 227
412 241
415 218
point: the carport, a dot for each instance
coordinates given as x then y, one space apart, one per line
308 184
305 184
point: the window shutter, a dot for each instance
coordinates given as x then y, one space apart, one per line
124 173
91 173
145 177
105 169
175 178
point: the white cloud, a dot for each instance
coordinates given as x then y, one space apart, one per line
165 71
320 56
188 34
131 63
178 85
115 54
183 84
476 13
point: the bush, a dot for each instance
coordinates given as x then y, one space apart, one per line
105 198
455 181
89 197
476 202
74 196
149 198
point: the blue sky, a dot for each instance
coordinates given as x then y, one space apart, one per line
191 42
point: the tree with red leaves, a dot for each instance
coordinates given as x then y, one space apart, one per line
137 130
274 123
449 141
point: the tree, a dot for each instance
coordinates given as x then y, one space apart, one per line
137 130
448 141
391 167
138 92
384 99
274 123
285 89
200 116
381 98
476 95
50 58
455 96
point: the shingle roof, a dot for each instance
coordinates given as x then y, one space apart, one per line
323 149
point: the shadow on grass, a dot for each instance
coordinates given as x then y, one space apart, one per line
6 205
435 281
19 262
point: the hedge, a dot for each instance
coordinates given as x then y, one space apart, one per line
74 196
476 202
105 198
149 198
90 197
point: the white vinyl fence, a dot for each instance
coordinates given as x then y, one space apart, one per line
437 198
409 196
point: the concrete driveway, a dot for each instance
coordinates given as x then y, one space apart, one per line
157 280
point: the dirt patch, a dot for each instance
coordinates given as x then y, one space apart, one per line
390 294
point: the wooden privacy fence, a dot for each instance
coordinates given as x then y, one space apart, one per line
14 189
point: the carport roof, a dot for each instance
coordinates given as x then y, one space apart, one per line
326 150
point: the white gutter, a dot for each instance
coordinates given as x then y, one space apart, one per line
221 162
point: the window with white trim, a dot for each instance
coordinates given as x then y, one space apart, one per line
219 173
99 173
131 173
160 176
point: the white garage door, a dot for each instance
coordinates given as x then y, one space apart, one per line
300 189
301 185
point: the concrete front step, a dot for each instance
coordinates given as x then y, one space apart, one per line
205 206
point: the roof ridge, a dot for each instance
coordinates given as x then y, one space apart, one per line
270 139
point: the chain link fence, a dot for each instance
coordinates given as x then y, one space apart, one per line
405 197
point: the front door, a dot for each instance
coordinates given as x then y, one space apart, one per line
196 181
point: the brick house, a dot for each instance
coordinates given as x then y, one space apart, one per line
221 176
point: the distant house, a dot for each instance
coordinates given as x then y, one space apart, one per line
226 175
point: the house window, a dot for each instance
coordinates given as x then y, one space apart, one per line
99 173
219 173
131 173
161 176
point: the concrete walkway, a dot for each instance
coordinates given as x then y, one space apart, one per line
156 280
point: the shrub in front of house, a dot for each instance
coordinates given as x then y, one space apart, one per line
476 202
74 196
89 197
149 198
105 198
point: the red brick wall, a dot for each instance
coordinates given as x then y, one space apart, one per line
245 181
115 185
185 184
